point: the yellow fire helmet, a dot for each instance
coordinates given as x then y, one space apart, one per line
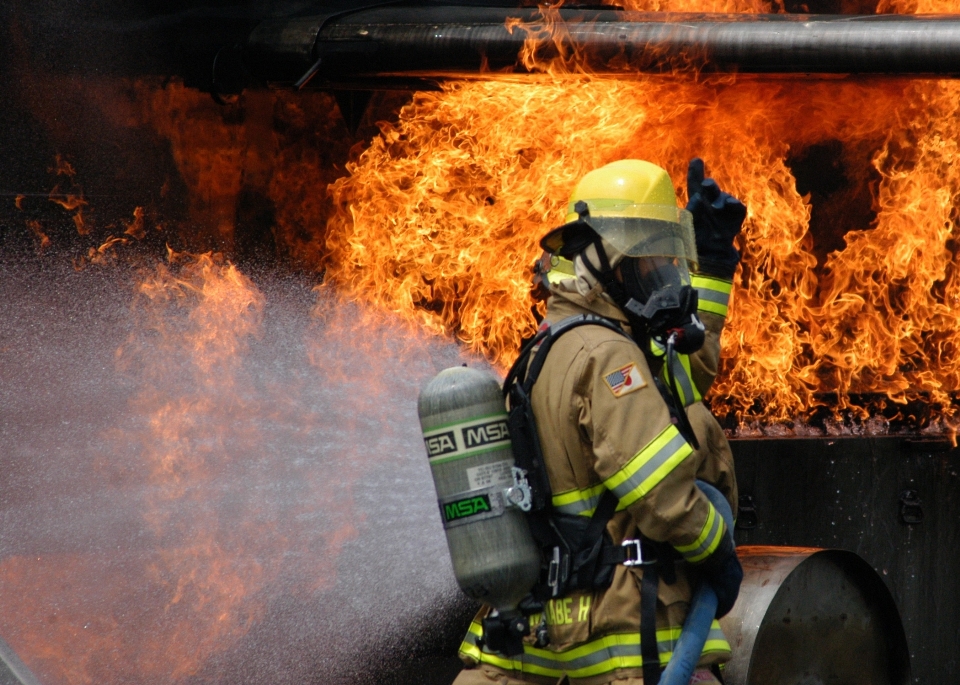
631 204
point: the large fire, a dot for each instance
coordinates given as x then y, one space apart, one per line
439 219
847 304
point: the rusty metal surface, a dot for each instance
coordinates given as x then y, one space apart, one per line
813 616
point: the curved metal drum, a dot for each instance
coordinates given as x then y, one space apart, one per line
810 617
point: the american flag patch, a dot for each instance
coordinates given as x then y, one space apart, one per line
624 380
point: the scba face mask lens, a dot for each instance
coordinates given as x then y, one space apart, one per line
660 301
643 276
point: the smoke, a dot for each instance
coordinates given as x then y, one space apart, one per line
211 478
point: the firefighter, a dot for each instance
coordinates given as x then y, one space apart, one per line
624 414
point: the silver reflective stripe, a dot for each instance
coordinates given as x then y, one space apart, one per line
653 463
715 296
578 507
684 381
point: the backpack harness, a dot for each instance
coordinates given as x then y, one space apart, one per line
577 551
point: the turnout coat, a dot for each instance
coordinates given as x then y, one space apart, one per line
603 425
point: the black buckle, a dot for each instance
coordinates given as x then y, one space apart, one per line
558 572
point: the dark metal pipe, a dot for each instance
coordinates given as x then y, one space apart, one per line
461 41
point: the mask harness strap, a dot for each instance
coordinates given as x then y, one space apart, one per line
605 273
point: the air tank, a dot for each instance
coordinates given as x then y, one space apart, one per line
481 496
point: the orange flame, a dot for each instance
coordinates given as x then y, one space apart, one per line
43 240
211 558
202 311
135 228
71 200
100 256
280 148
439 219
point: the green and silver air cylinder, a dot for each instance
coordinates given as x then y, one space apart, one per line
482 496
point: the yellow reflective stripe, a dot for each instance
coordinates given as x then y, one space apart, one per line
716 640
581 502
711 283
713 308
649 466
713 294
684 379
578 502
709 539
596 657
713 646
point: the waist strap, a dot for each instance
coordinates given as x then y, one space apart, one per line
648 625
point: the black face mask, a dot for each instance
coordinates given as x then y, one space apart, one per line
659 305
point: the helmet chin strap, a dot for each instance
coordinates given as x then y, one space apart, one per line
605 274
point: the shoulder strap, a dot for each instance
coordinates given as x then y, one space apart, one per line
517 388
526 375
606 508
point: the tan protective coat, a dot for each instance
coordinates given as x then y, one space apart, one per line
588 432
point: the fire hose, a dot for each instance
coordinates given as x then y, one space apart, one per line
703 609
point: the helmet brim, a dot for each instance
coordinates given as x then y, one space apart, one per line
570 239
631 236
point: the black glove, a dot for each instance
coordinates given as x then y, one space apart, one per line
723 571
717 218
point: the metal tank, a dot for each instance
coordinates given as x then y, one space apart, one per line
481 496
808 617
12 670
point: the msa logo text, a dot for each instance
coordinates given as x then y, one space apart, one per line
443 443
466 507
484 434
